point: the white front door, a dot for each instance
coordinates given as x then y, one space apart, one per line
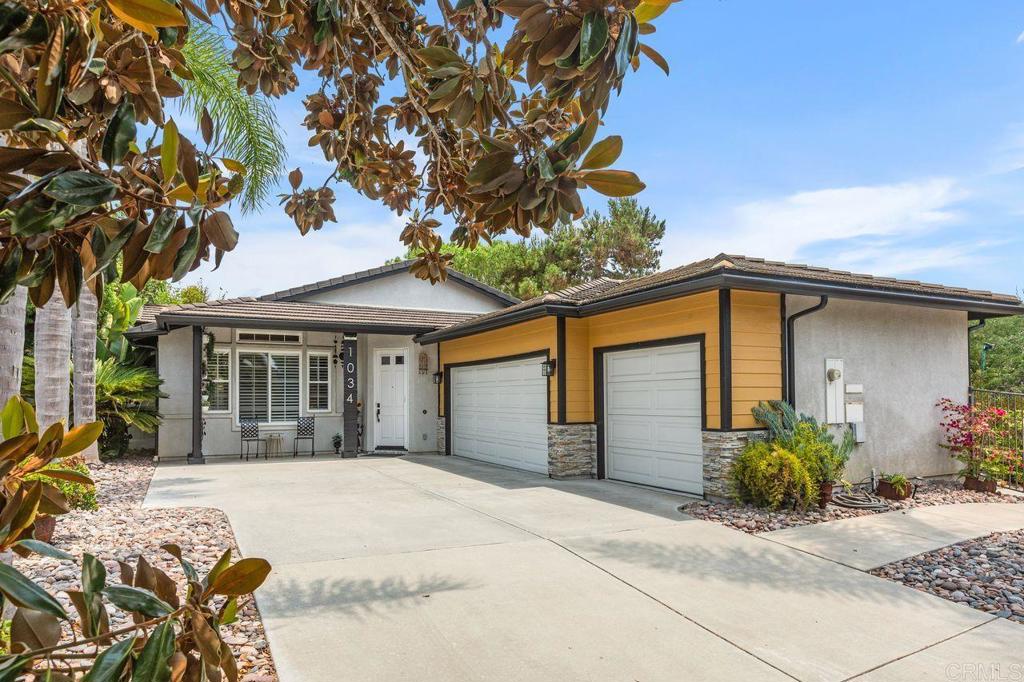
653 405
500 413
389 392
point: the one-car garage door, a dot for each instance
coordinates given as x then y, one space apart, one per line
499 413
653 403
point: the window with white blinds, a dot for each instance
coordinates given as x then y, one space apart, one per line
318 382
218 381
268 386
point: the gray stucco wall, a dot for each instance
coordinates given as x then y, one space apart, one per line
402 290
906 357
222 431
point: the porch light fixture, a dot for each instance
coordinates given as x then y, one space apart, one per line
438 377
424 363
547 368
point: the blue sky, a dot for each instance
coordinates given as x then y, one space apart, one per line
877 136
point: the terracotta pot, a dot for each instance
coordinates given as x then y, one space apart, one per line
890 492
44 527
988 485
825 494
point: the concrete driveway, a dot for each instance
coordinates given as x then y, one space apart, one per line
439 568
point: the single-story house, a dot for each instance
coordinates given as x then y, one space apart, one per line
648 381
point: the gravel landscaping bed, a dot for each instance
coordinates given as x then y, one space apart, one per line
986 573
121 530
751 519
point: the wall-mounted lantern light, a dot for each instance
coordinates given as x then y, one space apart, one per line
438 377
547 368
424 363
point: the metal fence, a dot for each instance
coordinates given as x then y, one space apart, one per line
1012 431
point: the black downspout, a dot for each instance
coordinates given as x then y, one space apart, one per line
790 373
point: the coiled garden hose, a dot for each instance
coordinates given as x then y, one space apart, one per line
859 499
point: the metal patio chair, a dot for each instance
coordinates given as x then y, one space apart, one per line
304 430
250 433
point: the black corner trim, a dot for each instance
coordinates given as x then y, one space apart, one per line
560 368
599 384
725 357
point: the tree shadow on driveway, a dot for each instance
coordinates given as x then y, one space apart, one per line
357 598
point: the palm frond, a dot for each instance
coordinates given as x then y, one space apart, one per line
247 124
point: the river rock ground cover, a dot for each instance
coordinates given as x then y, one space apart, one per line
121 529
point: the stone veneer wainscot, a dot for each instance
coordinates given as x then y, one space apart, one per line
572 450
721 448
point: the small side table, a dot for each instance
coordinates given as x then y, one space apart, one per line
274 441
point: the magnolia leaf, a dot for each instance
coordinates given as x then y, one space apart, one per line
108 665
295 178
79 438
612 183
153 663
12 113
120 133
34 630
44 549
106 255
593 37
219 230
655 57
137 599
162 226
169 151
438 55
649 10
206 126
489 167
81 188
241 578
603 154
148 12
186 255
234 166
24 593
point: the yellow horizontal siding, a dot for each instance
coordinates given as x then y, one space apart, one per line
517 339
756 348
756 353
686 316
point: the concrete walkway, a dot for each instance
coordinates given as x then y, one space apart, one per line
438 568
868 542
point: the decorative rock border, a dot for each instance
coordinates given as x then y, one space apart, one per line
985 573
751 519
121 530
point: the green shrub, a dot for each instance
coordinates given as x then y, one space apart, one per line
767 475
79 496
810 441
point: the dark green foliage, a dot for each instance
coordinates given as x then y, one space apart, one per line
1004 361
622 244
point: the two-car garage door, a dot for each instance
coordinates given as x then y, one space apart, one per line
500 413
652 415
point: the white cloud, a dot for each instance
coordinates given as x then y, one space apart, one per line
895 259
268 260
782 228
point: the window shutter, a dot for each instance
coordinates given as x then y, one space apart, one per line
252 386
284 388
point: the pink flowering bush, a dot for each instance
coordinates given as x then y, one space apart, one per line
982 438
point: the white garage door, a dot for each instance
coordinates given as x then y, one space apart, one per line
500 414
653 417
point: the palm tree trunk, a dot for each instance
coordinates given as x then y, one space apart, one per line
53 359
84 354
12 344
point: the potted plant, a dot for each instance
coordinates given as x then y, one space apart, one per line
336 442
893 487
